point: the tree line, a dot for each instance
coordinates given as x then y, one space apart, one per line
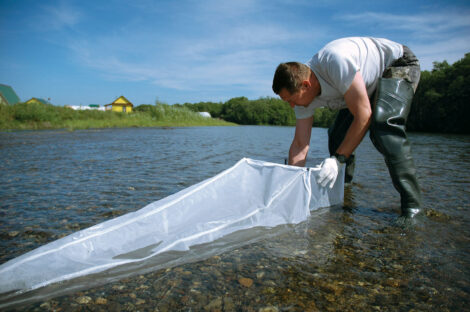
263 111
441 104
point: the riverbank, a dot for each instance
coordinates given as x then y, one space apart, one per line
36 116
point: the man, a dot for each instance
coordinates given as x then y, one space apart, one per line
371 82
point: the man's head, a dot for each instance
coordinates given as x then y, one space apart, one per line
295 83
290 76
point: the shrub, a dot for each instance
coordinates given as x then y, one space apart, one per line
35 111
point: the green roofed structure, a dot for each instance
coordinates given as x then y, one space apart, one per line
8 95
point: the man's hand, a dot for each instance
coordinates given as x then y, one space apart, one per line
328 172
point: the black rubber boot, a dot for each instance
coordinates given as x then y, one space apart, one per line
336 134
387 132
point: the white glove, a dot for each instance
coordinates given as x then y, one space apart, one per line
328 172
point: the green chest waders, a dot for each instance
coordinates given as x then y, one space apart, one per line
387 131
391 106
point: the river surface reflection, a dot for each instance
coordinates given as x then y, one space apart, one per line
347 258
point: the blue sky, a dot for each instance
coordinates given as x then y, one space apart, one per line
91 52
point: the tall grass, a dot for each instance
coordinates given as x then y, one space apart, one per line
45 116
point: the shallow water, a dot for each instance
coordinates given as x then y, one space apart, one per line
346 258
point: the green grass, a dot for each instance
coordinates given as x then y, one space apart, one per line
36 116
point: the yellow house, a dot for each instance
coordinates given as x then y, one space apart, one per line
121 104
37 101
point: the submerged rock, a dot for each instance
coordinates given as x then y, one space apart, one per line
247 282
83 300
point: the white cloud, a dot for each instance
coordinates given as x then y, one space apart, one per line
423 25
209 45
62 15
220 46
450 50
432 36
230 56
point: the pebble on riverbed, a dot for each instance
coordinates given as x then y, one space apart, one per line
13 233
247 282
83 300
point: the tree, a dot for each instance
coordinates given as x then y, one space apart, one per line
441 102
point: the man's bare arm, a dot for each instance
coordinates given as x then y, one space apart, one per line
299 148
358 103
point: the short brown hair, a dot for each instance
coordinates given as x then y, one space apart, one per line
290 76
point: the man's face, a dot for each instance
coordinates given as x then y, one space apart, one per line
300 98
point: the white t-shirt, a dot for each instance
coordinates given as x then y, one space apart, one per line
336 64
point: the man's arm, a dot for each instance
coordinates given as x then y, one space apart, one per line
299 147
358 103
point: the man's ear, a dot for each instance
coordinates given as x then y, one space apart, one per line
306 84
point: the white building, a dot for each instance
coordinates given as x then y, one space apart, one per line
86 107
205 114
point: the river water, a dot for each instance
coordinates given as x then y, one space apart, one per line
345 258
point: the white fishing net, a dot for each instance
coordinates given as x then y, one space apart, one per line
250 194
